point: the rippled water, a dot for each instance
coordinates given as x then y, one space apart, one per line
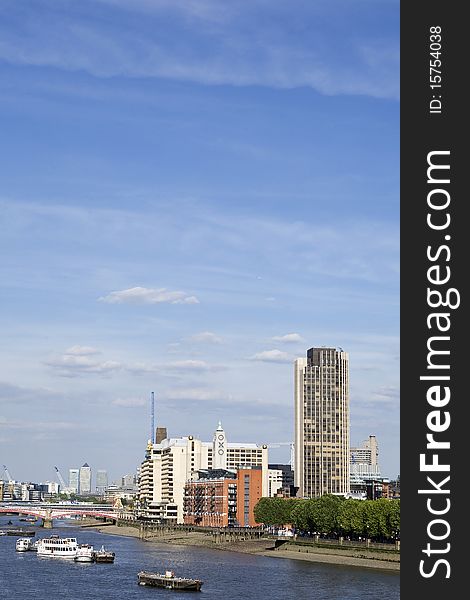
226 575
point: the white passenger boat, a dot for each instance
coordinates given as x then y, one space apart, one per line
23 544
57 547
85 553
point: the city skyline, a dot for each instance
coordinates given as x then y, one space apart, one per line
185 210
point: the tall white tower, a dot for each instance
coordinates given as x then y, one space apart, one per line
219 448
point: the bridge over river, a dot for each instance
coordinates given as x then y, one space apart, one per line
48 512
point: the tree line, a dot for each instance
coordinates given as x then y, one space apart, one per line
333 516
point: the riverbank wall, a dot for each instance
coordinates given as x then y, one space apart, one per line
254 542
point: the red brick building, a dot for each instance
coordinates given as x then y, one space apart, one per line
221 498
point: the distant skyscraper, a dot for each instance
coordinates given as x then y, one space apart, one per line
101 481
74 481
129 480
322 422
85 479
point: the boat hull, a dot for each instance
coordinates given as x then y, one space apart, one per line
104 556
169 583
55 555
104 559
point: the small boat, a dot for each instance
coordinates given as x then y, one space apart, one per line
169 581
23 544
85 553
3 532
104 556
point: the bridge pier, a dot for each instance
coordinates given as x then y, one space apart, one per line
47 519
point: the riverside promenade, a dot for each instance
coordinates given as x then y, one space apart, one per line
365 554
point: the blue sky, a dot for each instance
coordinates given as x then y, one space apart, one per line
192 194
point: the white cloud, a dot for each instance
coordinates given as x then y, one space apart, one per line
276 356
178 366
141 295
82 350
192 365
73 364
205 337
195 394
289 338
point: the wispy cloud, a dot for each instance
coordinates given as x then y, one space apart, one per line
288 338
73 364
273 356
81 351
385 395
203 10
270 58
192 365
25 424
141 295
205 337
15 394
196 394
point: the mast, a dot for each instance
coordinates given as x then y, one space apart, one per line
152 418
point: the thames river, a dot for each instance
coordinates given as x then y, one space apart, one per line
226 575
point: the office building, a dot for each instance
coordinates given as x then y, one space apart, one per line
281 480
321 400
74 481
364 461
101 481
170 464
85 479
222 498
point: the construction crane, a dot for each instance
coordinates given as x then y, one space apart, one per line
63 485
10 478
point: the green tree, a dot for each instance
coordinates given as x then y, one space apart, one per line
350 519
274 511
299 515
393 517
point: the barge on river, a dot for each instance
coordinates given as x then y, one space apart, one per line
104 556
169 581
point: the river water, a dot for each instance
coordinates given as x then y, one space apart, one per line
226 575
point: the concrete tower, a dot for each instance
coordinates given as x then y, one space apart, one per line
321 388
219 448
